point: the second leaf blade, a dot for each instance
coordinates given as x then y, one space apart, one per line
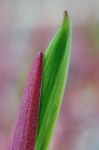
56 63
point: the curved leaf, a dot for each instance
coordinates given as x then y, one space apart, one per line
55 72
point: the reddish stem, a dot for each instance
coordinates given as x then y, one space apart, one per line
27 124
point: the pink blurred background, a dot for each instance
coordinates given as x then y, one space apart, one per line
27 27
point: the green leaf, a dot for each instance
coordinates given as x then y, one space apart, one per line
55 72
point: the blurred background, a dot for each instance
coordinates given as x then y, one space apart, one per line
27 27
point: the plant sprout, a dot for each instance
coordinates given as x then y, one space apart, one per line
43 93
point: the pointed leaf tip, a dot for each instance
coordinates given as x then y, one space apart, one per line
65 13
27 124
66 20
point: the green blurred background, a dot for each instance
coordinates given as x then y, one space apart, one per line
27 27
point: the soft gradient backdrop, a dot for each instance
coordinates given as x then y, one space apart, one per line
27 26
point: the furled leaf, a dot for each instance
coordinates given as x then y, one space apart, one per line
27 124
55 71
